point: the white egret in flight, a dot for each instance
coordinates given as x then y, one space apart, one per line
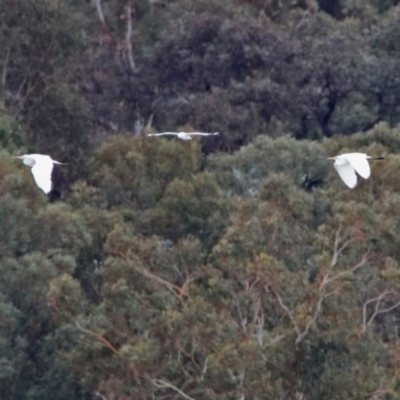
348 164
41 169
183 135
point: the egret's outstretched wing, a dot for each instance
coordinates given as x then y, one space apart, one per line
42 173
202 134
162 134
347 173
360 163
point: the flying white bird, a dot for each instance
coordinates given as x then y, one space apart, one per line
183 135
348 164
41 169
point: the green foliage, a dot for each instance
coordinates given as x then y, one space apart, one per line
190 208
243 171
128 171
170 274
183 269
11 135
224 67
40 41
60 119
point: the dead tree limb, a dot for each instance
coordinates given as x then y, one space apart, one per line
128 35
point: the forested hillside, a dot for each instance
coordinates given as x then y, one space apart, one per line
234 267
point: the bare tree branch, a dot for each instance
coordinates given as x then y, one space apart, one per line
205 368
5 65
242 321
128 35
314 318
100 395
301 334
327 279
338 250
159 383
366 323
114 350
377 394
104 26
288 312
190 356
99 9
275 340
23 92
99 337
177 291
259 321
150 121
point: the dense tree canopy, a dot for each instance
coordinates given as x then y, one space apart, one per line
230 267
